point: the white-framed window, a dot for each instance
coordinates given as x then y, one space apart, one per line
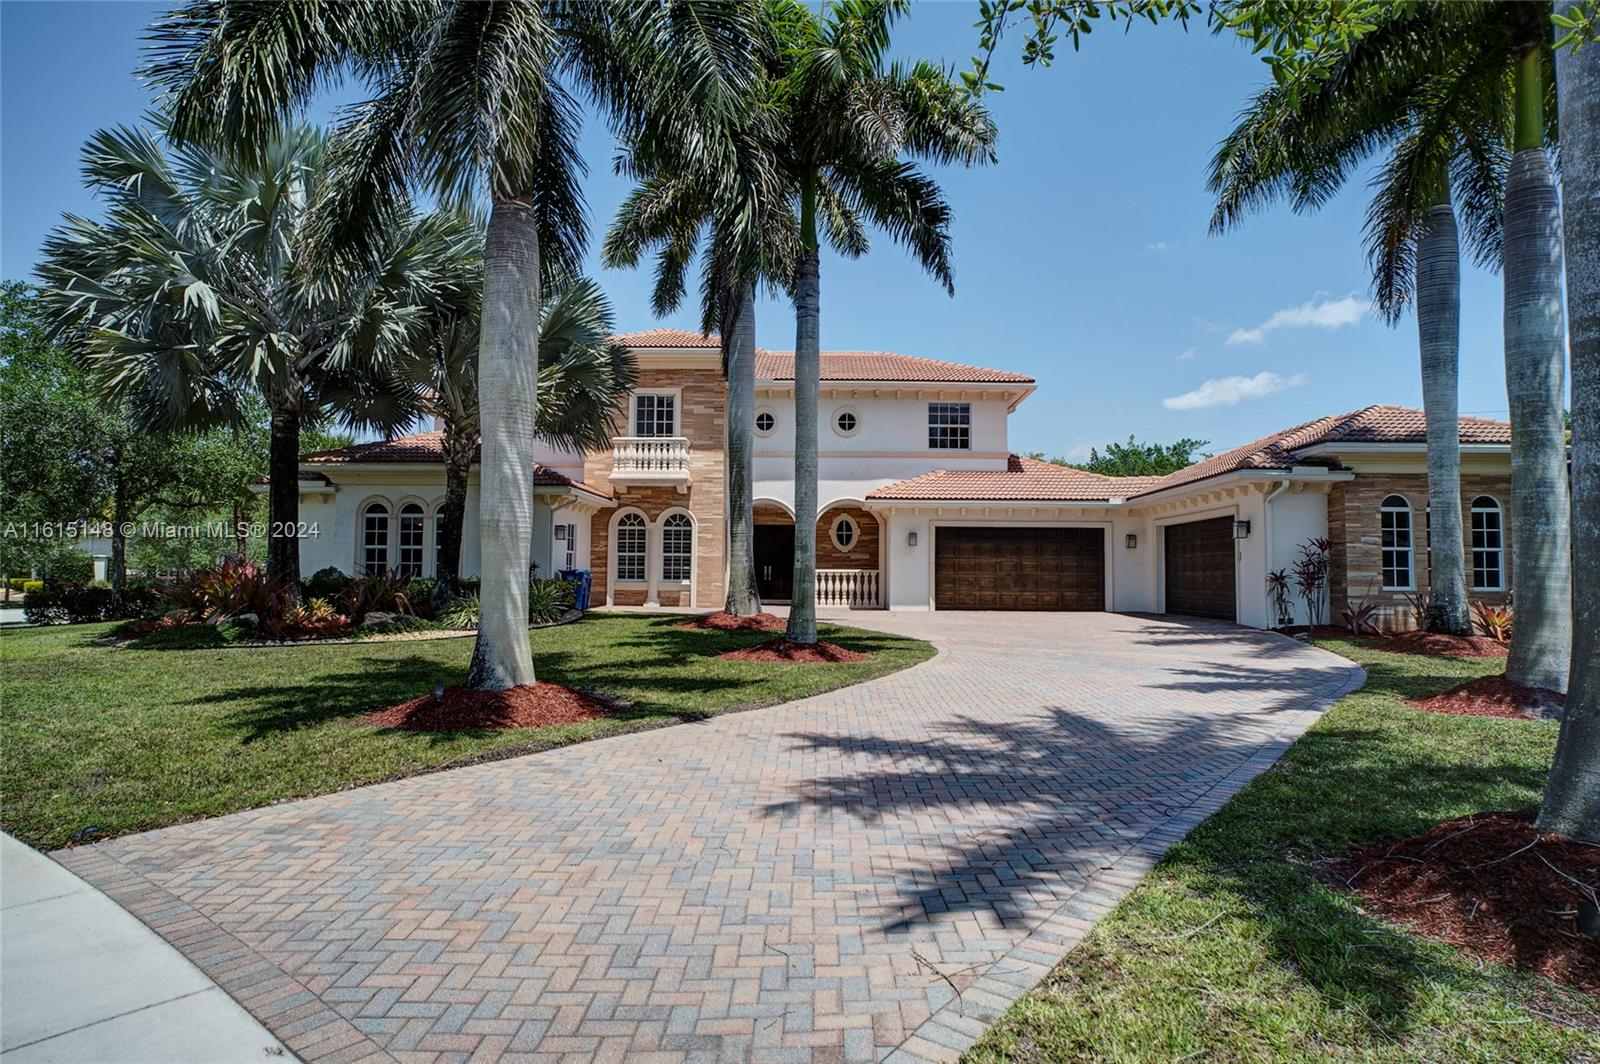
846 421
375 538
950 426
412 522
655 414
1488 545
632 535
766 421
1394 526
567 545
677 547
844 532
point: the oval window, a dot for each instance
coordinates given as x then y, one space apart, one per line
844 532
845 421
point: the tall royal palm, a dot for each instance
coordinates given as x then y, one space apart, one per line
736 210
849 120
194 291
1572 798
478 102
1405 91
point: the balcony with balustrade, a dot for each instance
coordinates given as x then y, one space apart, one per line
650 460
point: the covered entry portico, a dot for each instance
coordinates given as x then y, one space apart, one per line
849 546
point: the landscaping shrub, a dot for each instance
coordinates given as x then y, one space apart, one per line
69 565
31 585
1494 621
1358 617
330 583
423 595
314 619
60 602
548 600
388 592
230 589
461 614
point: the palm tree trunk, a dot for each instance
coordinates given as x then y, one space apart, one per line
119 538
807 370
1535 351
1572 799
1439 337
458 445
283 497
743 598
508 381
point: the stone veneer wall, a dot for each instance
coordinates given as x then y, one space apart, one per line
702 417
863 553
1353 527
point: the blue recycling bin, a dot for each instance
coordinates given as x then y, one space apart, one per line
583 578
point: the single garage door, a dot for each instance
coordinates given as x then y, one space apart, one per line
1019 568
1199 567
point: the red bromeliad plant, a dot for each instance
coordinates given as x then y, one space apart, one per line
233 588
386 592
1358 617
1494 621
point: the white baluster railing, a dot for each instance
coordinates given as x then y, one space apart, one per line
854 588
650 457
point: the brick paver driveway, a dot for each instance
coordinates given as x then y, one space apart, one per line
882 868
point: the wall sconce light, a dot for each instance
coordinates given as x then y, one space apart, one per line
1241 530
911 539
1132 541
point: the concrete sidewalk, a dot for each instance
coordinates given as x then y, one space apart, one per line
81 980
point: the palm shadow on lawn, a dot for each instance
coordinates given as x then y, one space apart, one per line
1078 793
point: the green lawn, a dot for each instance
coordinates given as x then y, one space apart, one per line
126 739
1233 949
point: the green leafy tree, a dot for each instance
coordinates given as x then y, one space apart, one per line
849 121
472 101
1135 459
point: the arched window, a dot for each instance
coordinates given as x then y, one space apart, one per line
1394 522
631 547
375 538
677 547
1488 545
411 539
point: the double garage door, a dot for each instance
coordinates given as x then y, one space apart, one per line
1019 568
1199 569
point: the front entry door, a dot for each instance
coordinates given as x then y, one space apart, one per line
774 562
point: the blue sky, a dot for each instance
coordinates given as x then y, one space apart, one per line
1081 258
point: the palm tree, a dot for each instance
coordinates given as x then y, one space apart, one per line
847 119
193 292
472 100
1572 798
739 214
1404 92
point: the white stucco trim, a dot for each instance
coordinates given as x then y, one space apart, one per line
656 532
614 581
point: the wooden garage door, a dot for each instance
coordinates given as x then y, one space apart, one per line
1200 569
1019 569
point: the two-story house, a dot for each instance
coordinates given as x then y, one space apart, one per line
922 505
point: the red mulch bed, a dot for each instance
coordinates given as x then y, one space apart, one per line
797 653
1450 646
1493 886
1492 696
529 706
723 621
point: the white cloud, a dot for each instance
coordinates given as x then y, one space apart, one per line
1187 352
1157 245
1326 314
1227 391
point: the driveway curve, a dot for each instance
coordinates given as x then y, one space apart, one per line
872 873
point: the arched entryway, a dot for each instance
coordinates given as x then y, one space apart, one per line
774 551
848 539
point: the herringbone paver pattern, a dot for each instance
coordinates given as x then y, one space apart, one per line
869 873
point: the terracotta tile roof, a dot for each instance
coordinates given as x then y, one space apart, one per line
883 366
1026 480
423 448
666 338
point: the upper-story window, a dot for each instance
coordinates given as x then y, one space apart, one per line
655 414
1394 525
766 422
1488 545
845 422
950 426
